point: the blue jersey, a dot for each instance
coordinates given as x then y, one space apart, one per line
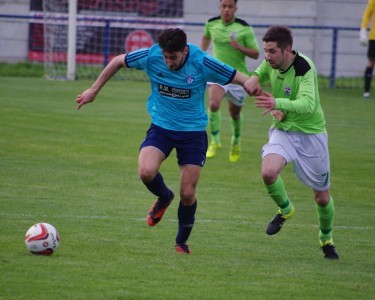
176 101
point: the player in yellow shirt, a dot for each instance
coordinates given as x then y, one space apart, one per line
369 41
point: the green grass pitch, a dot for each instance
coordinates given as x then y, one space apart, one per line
78 171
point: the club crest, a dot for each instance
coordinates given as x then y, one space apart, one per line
189 79
287 90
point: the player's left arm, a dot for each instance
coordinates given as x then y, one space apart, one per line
250 46
367 14
305 101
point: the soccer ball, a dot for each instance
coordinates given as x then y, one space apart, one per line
42 239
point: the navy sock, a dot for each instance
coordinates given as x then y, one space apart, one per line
186 218
158 187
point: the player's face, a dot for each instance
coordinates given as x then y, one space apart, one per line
275 56
175 59
227 10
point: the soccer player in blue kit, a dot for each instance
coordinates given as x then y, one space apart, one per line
178 74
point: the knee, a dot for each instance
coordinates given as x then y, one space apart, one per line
145 174
322 198
187 196
269 176
235 116
214 105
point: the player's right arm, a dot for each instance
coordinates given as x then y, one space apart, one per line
252 86
205 43
111 69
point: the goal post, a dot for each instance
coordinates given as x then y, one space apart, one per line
72 30
81 36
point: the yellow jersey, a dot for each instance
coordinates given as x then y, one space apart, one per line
367 16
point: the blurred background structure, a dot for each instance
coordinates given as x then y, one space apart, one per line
37 31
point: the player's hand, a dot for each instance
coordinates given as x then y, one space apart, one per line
363 39
278 114
267 101
86 97
234 43
253 87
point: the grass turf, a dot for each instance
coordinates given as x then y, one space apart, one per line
78 171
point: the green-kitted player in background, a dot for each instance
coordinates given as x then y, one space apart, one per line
233 41
298 132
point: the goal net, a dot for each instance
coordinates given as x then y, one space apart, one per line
104 29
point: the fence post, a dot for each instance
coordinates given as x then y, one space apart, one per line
333 58
107 41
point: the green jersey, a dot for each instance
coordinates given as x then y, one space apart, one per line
222 34
297 95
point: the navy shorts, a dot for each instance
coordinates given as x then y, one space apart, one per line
191 146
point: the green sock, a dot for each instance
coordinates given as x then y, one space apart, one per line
278 193
236 129
214 119
326 215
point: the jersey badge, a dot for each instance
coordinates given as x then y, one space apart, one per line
287 90
189 79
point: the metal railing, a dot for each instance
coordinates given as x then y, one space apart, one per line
107 21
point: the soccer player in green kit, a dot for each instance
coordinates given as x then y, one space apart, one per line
298 133
233 40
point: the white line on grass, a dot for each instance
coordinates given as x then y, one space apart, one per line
264 224
103 217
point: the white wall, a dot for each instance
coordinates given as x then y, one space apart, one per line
13 34
317 44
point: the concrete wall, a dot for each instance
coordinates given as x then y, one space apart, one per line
317 44
13 34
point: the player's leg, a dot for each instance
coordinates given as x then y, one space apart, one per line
153 151
188 205
369 68
236 97
325 210
236 120
150 159
215 94
312 168
272 165
191 155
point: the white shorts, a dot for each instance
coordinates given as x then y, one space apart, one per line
235 93
309 153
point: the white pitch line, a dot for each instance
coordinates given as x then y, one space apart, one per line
21 215
264 224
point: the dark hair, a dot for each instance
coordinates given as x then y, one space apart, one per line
235 1
282 35
172 40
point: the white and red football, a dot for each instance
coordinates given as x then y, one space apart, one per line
42 239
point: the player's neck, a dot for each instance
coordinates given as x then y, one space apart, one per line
227 22
289 58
